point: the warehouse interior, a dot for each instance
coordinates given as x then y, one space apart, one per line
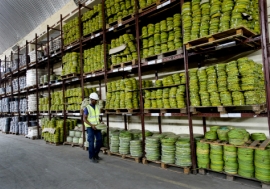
183 93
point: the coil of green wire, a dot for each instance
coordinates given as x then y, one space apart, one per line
262 164
258 136
216 156
202 152
245 161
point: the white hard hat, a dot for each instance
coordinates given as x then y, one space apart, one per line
94 96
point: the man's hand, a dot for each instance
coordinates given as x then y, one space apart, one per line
94 127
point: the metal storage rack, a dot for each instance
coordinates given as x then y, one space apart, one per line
184 59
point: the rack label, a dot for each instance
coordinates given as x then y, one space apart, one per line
151 62
101 114
224 115
128 68
121 69
98 34
88 76
92 37
111 29
115 70
120 24
154 114
75 79
69 47
234 114
166 3
93 75
168 114
159 61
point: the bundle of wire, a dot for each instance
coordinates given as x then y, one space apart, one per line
238 136
202 152
245 162
258 136
216 156
152 148
262 164
168 149
223 133
183 152
211 135
230 160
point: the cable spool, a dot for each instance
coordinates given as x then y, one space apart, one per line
230 159
183 152
238 136
216 156
168 149
125 137
211 135
136 148
258 136
114 142
32 103
31 76
202 152
152 148
262 164
245 161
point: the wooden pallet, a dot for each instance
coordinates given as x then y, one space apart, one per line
55 144
231 177
30 113
125 156
165 165
234 34
162 55
94 72
31 87
120 111
69 76
120 21
23 67
14 133
164 110
124 64
6 132
250 144
158 2
257 109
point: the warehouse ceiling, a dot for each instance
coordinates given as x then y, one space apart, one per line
20 17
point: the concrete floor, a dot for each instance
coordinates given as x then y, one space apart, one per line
32 164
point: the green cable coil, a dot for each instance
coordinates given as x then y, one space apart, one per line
214 128
245 161
238 136
262 164
216 157
258 136
183 152
211 135
152 148
223 133
202 152
230 159
136 148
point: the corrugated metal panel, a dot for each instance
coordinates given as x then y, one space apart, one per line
20 17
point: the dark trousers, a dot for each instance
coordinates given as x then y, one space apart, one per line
94 149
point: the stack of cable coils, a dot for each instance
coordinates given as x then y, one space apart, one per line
136 148
152 148
202 152
233 81
194 88
183 152
205 19
168 149
32 103
187 21
222 77
245 162
215 13
230 159
124 146
216 156
114 142
262 164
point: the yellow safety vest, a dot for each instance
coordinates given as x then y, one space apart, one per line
93 115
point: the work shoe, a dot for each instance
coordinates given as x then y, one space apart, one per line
98 158
93 160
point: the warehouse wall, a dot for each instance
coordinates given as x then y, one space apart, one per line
173 124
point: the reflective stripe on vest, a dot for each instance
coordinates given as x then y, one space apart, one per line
93 115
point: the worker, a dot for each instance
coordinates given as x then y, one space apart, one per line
91 120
